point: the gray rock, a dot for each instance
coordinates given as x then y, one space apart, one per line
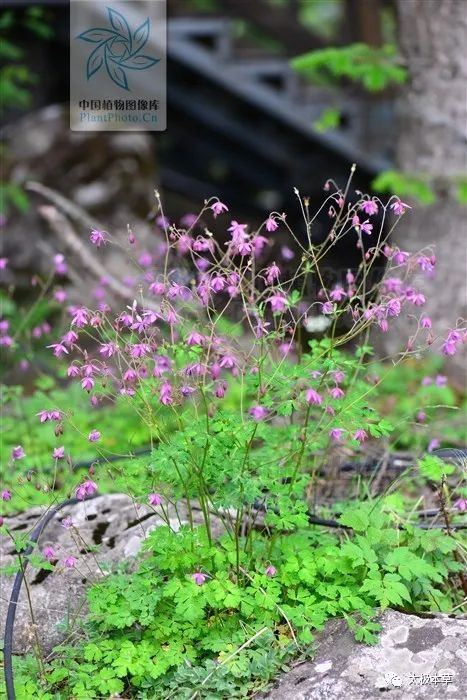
414 658
114 526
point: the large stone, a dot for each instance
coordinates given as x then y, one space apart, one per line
414 658
114 526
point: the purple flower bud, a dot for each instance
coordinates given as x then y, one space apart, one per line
49 553
18 452
258 412
154 499
270 571
97 238
87 488
199 578
69 562
313 398
6 495
94 436
360 435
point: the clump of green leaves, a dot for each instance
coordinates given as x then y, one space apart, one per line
155 630
373 68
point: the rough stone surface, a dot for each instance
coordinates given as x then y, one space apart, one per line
113 525
411 652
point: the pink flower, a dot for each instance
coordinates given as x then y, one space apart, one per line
449 348
163 221
238 231
3 263
217 283
49 553
287 253
272 273
80 317
270 571
97 238
138 350
441 380
228 361
69 562
87 383
61 268
336 392
399 207
360 435
336 434
339 376
94 436
58 453
425 263
18 452
145 259
258 412
66 522
278 302
220 389
6 495
73 371
244 248
313 398
189 220
400 257
337 294
394 307
154 499
218 208
366 227
43 416
285 348
157 288
59 349
433 445
69 338
327 307
426 322
108 349
195 338
87 488
271 224
461 504
417 298
369 206
258 243
199 578
165 394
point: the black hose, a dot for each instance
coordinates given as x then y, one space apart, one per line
18 582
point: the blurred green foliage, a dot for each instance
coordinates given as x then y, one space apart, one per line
373 68
16 81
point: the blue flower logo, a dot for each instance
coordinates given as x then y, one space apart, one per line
118 49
